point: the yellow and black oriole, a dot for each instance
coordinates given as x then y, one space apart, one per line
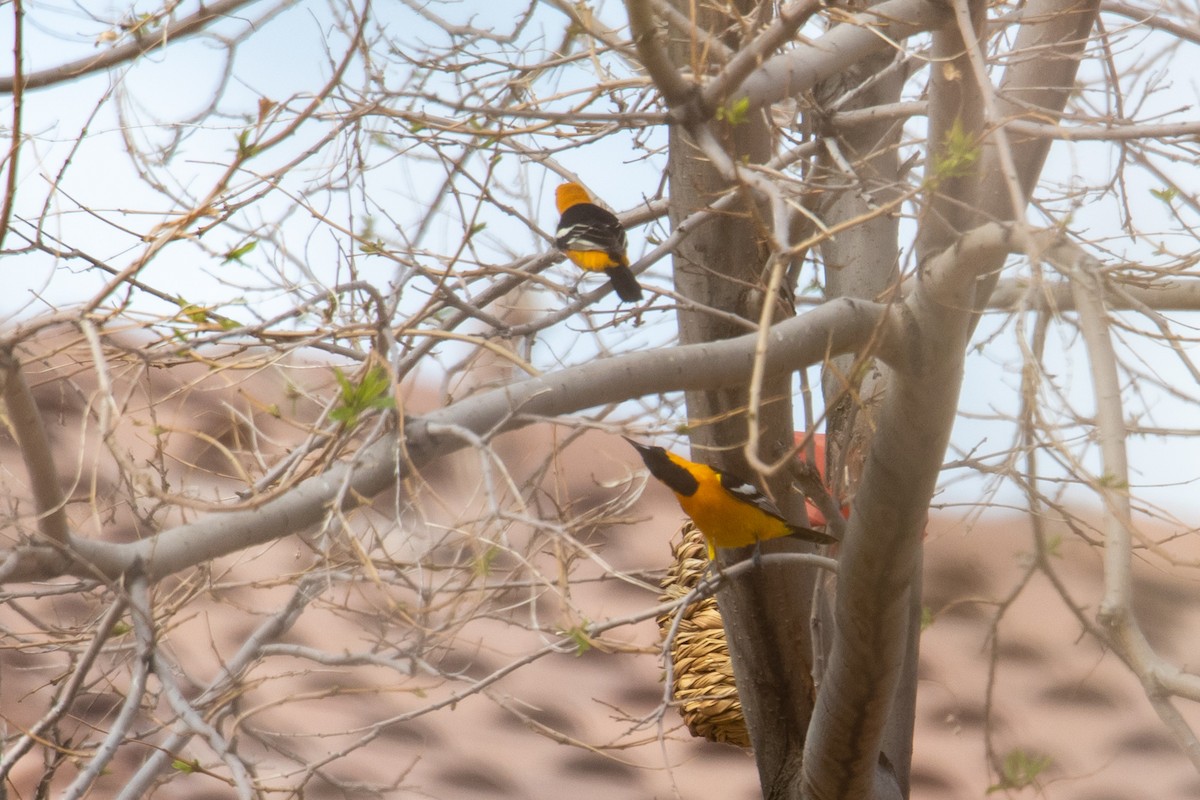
593 239
730 512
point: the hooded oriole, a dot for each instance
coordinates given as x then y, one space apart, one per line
729 512
592 237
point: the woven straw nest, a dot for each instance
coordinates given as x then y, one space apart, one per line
701 673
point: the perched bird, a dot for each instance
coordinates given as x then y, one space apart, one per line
729 511
593 239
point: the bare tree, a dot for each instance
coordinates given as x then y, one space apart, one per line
371 287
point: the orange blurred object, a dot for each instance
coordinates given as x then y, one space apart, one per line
815 517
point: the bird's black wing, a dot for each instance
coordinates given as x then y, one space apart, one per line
749 493
586 226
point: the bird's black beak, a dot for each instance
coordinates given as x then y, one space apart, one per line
641 448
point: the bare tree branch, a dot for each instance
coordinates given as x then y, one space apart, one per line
789 20
880 552
884 26
307 294
1118 130
14 148
654 56
832 328
1116 609
30 432
119 730
141 44
247 655
68 691
1163 294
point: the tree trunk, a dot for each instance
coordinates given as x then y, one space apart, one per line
766 611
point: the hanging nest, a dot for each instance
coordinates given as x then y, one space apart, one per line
700 667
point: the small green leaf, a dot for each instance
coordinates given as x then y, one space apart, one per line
193 312
1054 545
958 154
374 391
237 253
1019 770
734 113
579 636
1165 195
189 767
483 563
245 148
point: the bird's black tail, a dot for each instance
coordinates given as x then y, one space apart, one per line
626 285
810 535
